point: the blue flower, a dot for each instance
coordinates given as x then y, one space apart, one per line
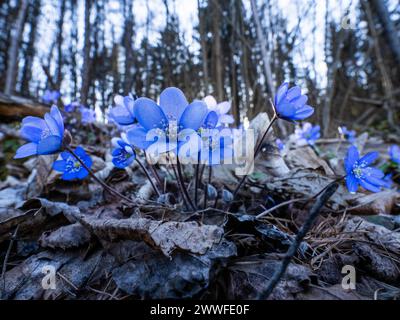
87 115
359 171
71 167
124 153
394 153
349 135
123 113
45 136
211 120
290 104
50 96
307 134
221 110
169 125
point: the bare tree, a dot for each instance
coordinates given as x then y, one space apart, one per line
16 36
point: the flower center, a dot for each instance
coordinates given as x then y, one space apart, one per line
357 171
72 165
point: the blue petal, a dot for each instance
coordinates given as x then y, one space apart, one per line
286 110
31 133
59 165
173 103
82 173
137 137
149 114
34 122
68 175
352 157
352 183
65 155
304 112
121 116
193 116
281 92
370 187
293 93
55 113
368 159
49 145
26 150
300 101
52 124
80 152
211 120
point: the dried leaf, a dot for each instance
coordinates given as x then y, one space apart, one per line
70 236
166 236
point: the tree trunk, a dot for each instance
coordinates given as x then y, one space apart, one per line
16 36
86 55
390 32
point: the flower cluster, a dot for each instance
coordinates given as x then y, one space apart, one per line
349 135
307 134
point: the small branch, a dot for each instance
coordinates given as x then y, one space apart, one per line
321 200
3 271
206 187
102 183
184 190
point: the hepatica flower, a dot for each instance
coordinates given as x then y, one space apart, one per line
169 125
394 153
221 110
87 115
349 135
290 104
50 96
359 171
45 136
70 167
307 134
123 113
123 153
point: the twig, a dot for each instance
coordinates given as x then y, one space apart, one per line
206 187
3 271
185 192
321 200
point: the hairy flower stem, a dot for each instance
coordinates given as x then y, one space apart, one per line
182 183
148 176
196 181
206 187
155 174
101 182
256 152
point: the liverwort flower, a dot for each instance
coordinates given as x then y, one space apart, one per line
71 167
394 153
123 113
87 115
50 96
290 104
221 109
169 125
307 134
45 136
349 135
124 153
359 171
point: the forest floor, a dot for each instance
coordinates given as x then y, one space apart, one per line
103 248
